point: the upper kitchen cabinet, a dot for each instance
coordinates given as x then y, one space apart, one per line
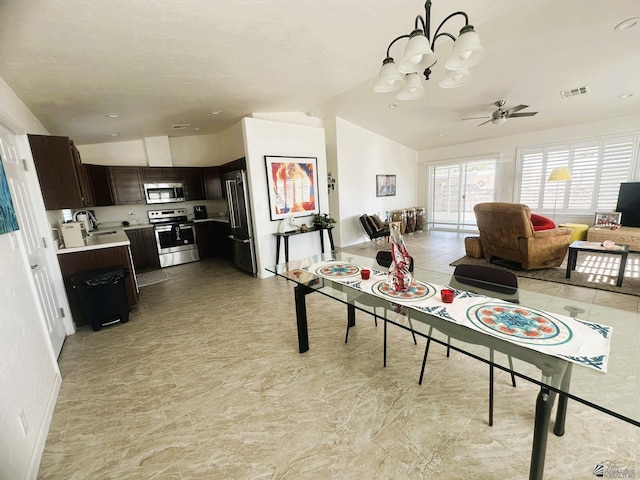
212 184
193 183
239 164
63 182
126 185
100 184
162 174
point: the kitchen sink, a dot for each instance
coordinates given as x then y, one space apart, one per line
104 232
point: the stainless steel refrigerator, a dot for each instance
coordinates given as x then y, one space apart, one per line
236 190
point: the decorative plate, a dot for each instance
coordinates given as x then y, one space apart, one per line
338 270
517 323
417 291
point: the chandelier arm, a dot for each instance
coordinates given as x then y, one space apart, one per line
466 22
443 34
394 41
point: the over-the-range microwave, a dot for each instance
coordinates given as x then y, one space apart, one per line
164 192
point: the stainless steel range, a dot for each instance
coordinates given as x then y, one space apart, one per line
175 236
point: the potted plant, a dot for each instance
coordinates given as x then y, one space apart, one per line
323 220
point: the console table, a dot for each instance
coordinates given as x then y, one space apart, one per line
286 235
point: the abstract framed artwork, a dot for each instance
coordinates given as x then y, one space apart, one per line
385 185
8 220
292 185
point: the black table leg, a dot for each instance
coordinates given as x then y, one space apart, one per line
544 403
331 238
277 249
571 262
300 292
561 414
623 264
321 232
286 249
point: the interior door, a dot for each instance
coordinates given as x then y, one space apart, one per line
33 240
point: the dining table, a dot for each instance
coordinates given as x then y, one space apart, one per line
571 350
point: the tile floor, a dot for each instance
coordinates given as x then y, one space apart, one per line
206 382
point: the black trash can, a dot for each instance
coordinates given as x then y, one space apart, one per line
103 295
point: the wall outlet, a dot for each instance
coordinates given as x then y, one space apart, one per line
24 423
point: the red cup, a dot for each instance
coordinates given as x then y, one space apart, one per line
364 273
447 295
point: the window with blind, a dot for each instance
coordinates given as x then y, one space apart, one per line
597 168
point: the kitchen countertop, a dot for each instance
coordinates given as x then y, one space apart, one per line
95 242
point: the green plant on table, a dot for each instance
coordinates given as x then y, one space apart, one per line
323 220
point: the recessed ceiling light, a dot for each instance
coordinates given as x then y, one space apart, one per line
393 105
628 23
196 128
113 115
625 95
114 134
443 134
215 112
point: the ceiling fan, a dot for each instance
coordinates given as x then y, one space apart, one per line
501 115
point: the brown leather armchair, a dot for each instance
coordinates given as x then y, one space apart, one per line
506 232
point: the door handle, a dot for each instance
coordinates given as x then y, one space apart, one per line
237 239
34 266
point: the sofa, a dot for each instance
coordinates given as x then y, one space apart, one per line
506 232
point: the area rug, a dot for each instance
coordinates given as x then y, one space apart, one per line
592 271
149 278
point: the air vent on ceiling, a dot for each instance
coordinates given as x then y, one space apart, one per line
575 91
180 126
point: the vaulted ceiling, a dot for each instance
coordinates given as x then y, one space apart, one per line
166 62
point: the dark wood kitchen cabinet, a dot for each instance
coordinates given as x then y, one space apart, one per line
161 174
193 183
126 185
63 181
100 182
212 183
213 240
204 239
144 248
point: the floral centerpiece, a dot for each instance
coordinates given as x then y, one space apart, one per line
323 220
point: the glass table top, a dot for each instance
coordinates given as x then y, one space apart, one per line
615 392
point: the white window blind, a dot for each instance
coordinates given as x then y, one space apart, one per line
597 168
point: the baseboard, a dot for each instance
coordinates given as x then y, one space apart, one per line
43 431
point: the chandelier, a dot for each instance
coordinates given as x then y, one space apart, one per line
419 56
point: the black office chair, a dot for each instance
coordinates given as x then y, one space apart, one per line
488 281
384 258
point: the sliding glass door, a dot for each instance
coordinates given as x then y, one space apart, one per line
455 188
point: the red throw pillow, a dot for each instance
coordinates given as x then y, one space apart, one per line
541 223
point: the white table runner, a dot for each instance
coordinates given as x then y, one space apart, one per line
578 341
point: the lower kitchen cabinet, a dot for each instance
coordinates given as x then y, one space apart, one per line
213 240
144 249
80 262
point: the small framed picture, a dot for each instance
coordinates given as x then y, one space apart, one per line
607 219
385 185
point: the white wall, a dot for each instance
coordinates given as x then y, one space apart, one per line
506 147
188 151
361 155
29 374
264 137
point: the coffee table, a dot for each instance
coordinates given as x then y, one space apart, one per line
596 247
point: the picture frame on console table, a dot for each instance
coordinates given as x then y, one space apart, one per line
292 185
607 219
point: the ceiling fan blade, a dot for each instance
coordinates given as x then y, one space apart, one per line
485 122
476 118
525 114
515 109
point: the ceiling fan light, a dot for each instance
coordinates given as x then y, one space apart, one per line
467 50
498 120
416 51
455 78
413 88
389 79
